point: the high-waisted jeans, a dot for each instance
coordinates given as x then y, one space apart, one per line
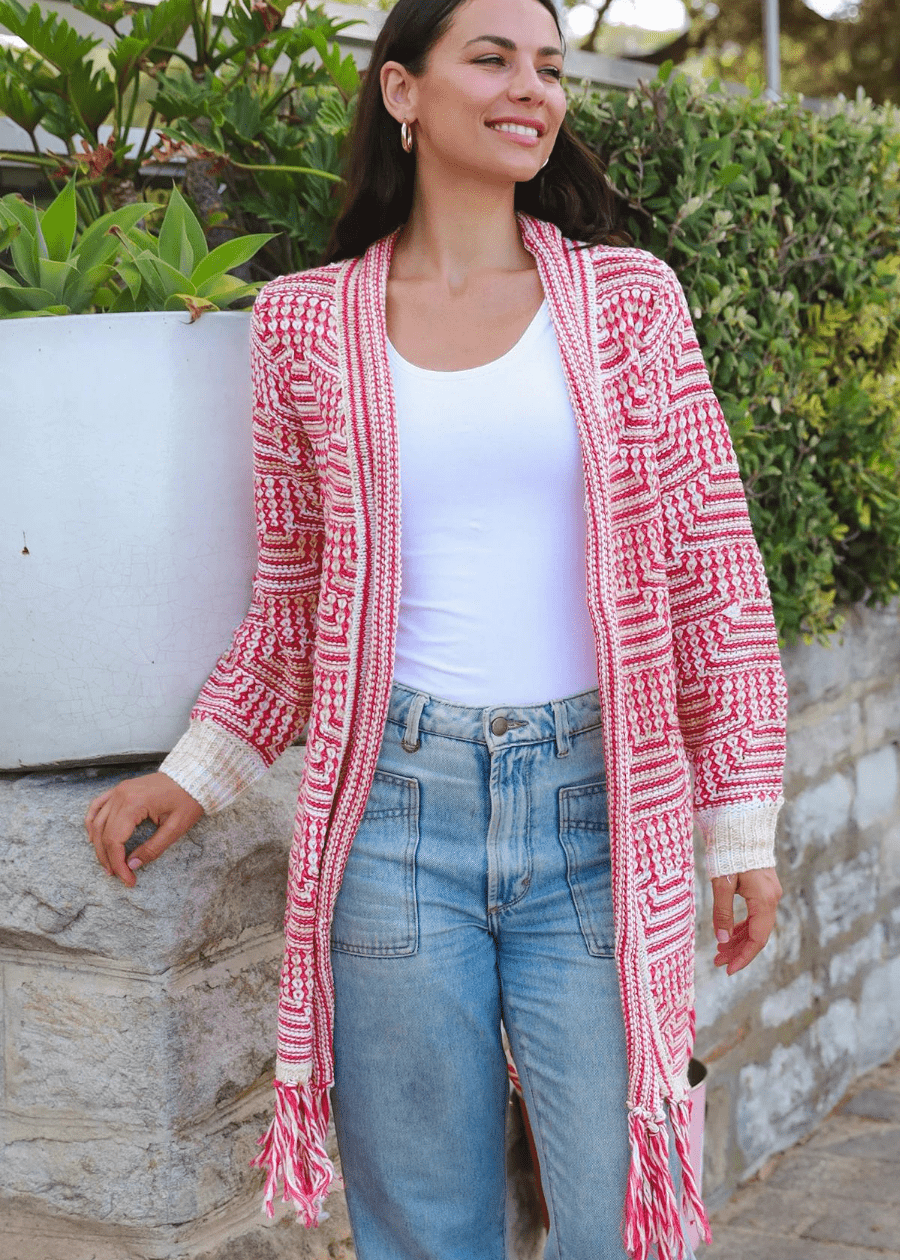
478 890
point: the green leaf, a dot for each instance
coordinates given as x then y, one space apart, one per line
24 253
181 241
44 31
55 276
58 223
230 254
161 279
225 290
28 300
665 71
99 244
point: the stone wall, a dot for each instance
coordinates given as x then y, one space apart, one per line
138 1025
784 1037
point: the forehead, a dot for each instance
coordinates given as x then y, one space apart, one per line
525 22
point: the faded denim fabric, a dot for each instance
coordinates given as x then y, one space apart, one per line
478 889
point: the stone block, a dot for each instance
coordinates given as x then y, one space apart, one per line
821 1173
818 740
890 859
225 878
730 1242
879 1013
866 649
843 967
844 893
814 817
877 784
881 1146
875 1104
833 1039
80 1041
872 1225
774 1102
794 999
881 715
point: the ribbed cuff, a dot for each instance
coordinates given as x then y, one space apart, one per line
739 837
213 766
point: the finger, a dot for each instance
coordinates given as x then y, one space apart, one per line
727 950
96 835
748 939
723 906
117 831
95 806
171 828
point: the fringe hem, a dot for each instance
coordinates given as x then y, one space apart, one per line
651 1226
294 1151
691 1202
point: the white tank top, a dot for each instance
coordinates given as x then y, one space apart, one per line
493 606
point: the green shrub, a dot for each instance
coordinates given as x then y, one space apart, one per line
784 228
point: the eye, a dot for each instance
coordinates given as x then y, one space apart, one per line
491 59
554 71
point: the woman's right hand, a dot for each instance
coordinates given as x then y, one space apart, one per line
112 817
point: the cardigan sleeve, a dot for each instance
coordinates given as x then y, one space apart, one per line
731 689
259 694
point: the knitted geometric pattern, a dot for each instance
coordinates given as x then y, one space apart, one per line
690 680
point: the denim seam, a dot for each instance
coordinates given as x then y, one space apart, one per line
400 725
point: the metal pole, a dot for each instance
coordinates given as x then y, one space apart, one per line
771 34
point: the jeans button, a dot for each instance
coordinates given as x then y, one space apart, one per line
499 726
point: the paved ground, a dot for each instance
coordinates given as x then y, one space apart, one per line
833 1196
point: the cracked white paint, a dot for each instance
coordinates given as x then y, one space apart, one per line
127 466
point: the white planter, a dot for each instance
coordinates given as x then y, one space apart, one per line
126 518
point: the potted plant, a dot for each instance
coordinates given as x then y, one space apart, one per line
126 475
126 483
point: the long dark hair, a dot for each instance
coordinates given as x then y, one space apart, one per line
571 191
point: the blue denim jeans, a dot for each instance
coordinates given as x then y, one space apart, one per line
478 890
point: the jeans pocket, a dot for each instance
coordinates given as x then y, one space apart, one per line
376 912
584 835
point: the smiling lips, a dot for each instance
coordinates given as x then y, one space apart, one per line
519 127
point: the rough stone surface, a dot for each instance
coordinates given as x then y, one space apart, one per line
844 893
876 786
833 1196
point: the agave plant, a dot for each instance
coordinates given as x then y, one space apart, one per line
115 264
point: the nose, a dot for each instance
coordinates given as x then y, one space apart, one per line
527 84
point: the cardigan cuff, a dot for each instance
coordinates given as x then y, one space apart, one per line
739 837
212 765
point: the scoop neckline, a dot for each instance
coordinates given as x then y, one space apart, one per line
461 373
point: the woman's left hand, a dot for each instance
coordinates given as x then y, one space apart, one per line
738 944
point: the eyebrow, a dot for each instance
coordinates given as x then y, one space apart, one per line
502 42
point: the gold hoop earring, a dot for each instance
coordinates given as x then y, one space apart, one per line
406 138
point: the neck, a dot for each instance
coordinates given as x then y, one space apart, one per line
457 232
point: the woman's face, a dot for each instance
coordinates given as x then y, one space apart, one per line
490 101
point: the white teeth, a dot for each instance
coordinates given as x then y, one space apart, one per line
516 129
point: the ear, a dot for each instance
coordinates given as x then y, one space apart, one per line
398 91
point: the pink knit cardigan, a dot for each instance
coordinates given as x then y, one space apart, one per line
691 686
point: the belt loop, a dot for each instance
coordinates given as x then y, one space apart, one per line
410 740
562 728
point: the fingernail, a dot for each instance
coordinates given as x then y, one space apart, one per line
721 935
134 864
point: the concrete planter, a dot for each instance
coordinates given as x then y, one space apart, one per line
126 514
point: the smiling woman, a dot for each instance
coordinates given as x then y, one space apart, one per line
518 702
469 86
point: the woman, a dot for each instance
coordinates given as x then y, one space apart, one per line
579 660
